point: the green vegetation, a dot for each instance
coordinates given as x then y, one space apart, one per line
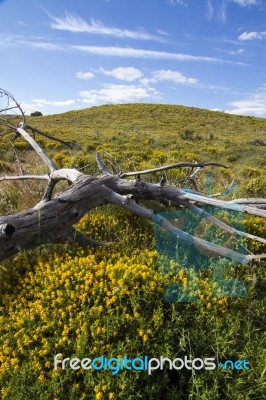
88 303
36 114
139 136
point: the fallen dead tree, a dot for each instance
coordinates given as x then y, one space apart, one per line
53 218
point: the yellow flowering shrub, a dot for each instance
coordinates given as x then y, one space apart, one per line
110 302
256 226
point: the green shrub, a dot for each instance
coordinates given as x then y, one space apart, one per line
62 160
212 150
256 187
36 114
233 157
249 172
53 145
92 146
22 146
188 134
4 166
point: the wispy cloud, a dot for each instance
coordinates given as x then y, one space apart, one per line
227 51
44 45
118 94
85 75
210 9
219 8
76 24
111 51
236 52
245 3
123 73
252 35
151 54
7 40
163 33
177 2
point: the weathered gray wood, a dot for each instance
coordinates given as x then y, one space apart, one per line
199 166
36 147
52 221
24 177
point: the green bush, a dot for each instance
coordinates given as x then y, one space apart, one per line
188 134
4 166
36 114
62 160
256 187
22 146
249 172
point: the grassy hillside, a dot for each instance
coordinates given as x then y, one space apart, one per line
110 302
134 136
162 127
155 119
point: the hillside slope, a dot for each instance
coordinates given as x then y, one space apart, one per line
138 136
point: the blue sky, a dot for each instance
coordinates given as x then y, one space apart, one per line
71 54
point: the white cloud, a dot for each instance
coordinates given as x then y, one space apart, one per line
44 45
163 33
151 54
44 102
124 73
29 107
30 41
85 75
173 76
147 81
237 52
118 94
111 51
177 2
245 3
252 35
221 9
210 9
254 105
76 24
41 104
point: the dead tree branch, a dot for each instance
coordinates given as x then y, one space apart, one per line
199 166
53 218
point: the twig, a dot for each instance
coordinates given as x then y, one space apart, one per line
69 144
101 165
36 147
24 177
172 166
